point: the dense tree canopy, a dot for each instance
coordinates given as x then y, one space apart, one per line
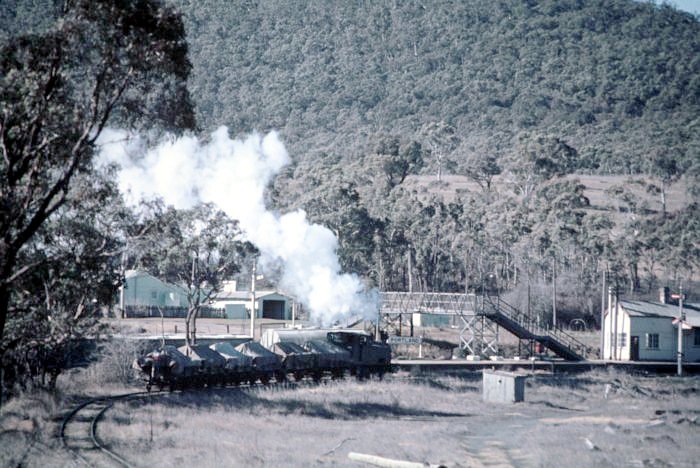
614 79
90 63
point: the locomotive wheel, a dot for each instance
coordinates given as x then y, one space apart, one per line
362 373
265 379
280 376
298 375
317 376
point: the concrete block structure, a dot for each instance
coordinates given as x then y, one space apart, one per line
503 387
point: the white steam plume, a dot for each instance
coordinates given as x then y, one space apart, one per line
233 174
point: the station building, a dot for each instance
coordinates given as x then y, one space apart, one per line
648 330
268 303
144 295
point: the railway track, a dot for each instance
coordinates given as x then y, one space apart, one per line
79 428
79 433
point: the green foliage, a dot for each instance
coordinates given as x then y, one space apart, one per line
84 65
613 79
70 276
197 249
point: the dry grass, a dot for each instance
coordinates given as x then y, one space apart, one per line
596 185
27 425
593 419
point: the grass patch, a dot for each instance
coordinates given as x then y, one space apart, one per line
598 418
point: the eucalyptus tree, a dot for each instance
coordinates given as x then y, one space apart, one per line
59 89
199 249
442 139
72 276
539 158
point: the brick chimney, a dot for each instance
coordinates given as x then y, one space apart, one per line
664 295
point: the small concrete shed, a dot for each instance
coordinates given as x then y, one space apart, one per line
503 387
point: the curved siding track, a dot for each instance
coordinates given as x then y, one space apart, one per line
79 431
79 428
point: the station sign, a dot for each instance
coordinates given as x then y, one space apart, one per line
405 340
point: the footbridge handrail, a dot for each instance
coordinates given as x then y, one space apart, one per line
538 330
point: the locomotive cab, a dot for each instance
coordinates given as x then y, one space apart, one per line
368 355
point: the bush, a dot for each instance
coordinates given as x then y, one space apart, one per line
114 365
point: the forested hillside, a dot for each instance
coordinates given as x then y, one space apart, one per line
380 102
515 96
616 79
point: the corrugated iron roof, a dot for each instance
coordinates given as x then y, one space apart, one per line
242 295
657 309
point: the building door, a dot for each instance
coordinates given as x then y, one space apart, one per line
634 348
273 310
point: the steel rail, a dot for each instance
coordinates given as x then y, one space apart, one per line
98 443
108 401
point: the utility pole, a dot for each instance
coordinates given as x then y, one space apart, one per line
122 272
410 271
613 344
252 300
192 339
681 319
602 318
554 292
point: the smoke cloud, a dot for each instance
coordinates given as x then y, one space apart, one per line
233 174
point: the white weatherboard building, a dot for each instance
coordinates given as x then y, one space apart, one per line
645 331
268 304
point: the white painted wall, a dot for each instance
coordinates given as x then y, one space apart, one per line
223 303
641 326
614 348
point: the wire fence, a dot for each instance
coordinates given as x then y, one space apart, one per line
137 311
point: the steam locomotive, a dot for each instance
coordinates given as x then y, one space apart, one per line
280 354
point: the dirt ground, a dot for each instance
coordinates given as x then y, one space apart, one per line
595 419
598 418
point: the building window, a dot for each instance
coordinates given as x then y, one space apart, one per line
154 294
621 340
653 340
696 337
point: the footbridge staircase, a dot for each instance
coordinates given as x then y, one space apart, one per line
528 328
479 318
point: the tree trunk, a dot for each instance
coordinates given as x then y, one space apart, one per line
187 329
663 200
466 273
4 306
